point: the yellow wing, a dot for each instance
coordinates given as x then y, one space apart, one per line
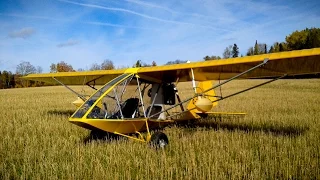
98 77
290 62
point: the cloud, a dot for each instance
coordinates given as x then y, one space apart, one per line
68 43
120 32
127 30
155 6
30 16
95 23
22 33
146 4
143 15
113 25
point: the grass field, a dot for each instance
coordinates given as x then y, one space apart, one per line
279 138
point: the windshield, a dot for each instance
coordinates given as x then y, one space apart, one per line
112 104
86 106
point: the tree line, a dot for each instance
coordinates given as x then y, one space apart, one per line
305 39
11 80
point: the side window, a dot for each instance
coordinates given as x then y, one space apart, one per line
120 102
123 101
86 106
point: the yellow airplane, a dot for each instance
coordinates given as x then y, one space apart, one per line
136 100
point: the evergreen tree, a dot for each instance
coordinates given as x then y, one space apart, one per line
235 51
5 78
12 81
250 51
276 47
154 63
265 49
280 47
256 48
271 50
1 85
138 63
206 58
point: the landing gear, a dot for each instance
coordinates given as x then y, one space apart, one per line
159 140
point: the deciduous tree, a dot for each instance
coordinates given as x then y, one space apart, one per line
61 67
39 69
25 68
53 68
107 65
94 67
297 40
178 61
7 80
227 53
305 39
64 67
207 58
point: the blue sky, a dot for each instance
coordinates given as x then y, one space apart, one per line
82 32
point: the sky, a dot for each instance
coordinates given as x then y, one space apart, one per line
83 32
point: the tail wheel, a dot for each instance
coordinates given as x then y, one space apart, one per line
159 140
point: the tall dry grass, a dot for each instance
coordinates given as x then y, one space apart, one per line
279 138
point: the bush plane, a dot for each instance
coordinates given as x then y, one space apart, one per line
136 100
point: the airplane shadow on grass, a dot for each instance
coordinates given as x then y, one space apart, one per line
226 123
211 124
100 135
61 112
221 123
93 136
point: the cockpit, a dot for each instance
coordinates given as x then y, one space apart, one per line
127 97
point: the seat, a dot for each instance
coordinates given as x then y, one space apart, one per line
127 108
155 109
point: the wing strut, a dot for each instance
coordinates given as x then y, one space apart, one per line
218 85
239 92
245 72
79 95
